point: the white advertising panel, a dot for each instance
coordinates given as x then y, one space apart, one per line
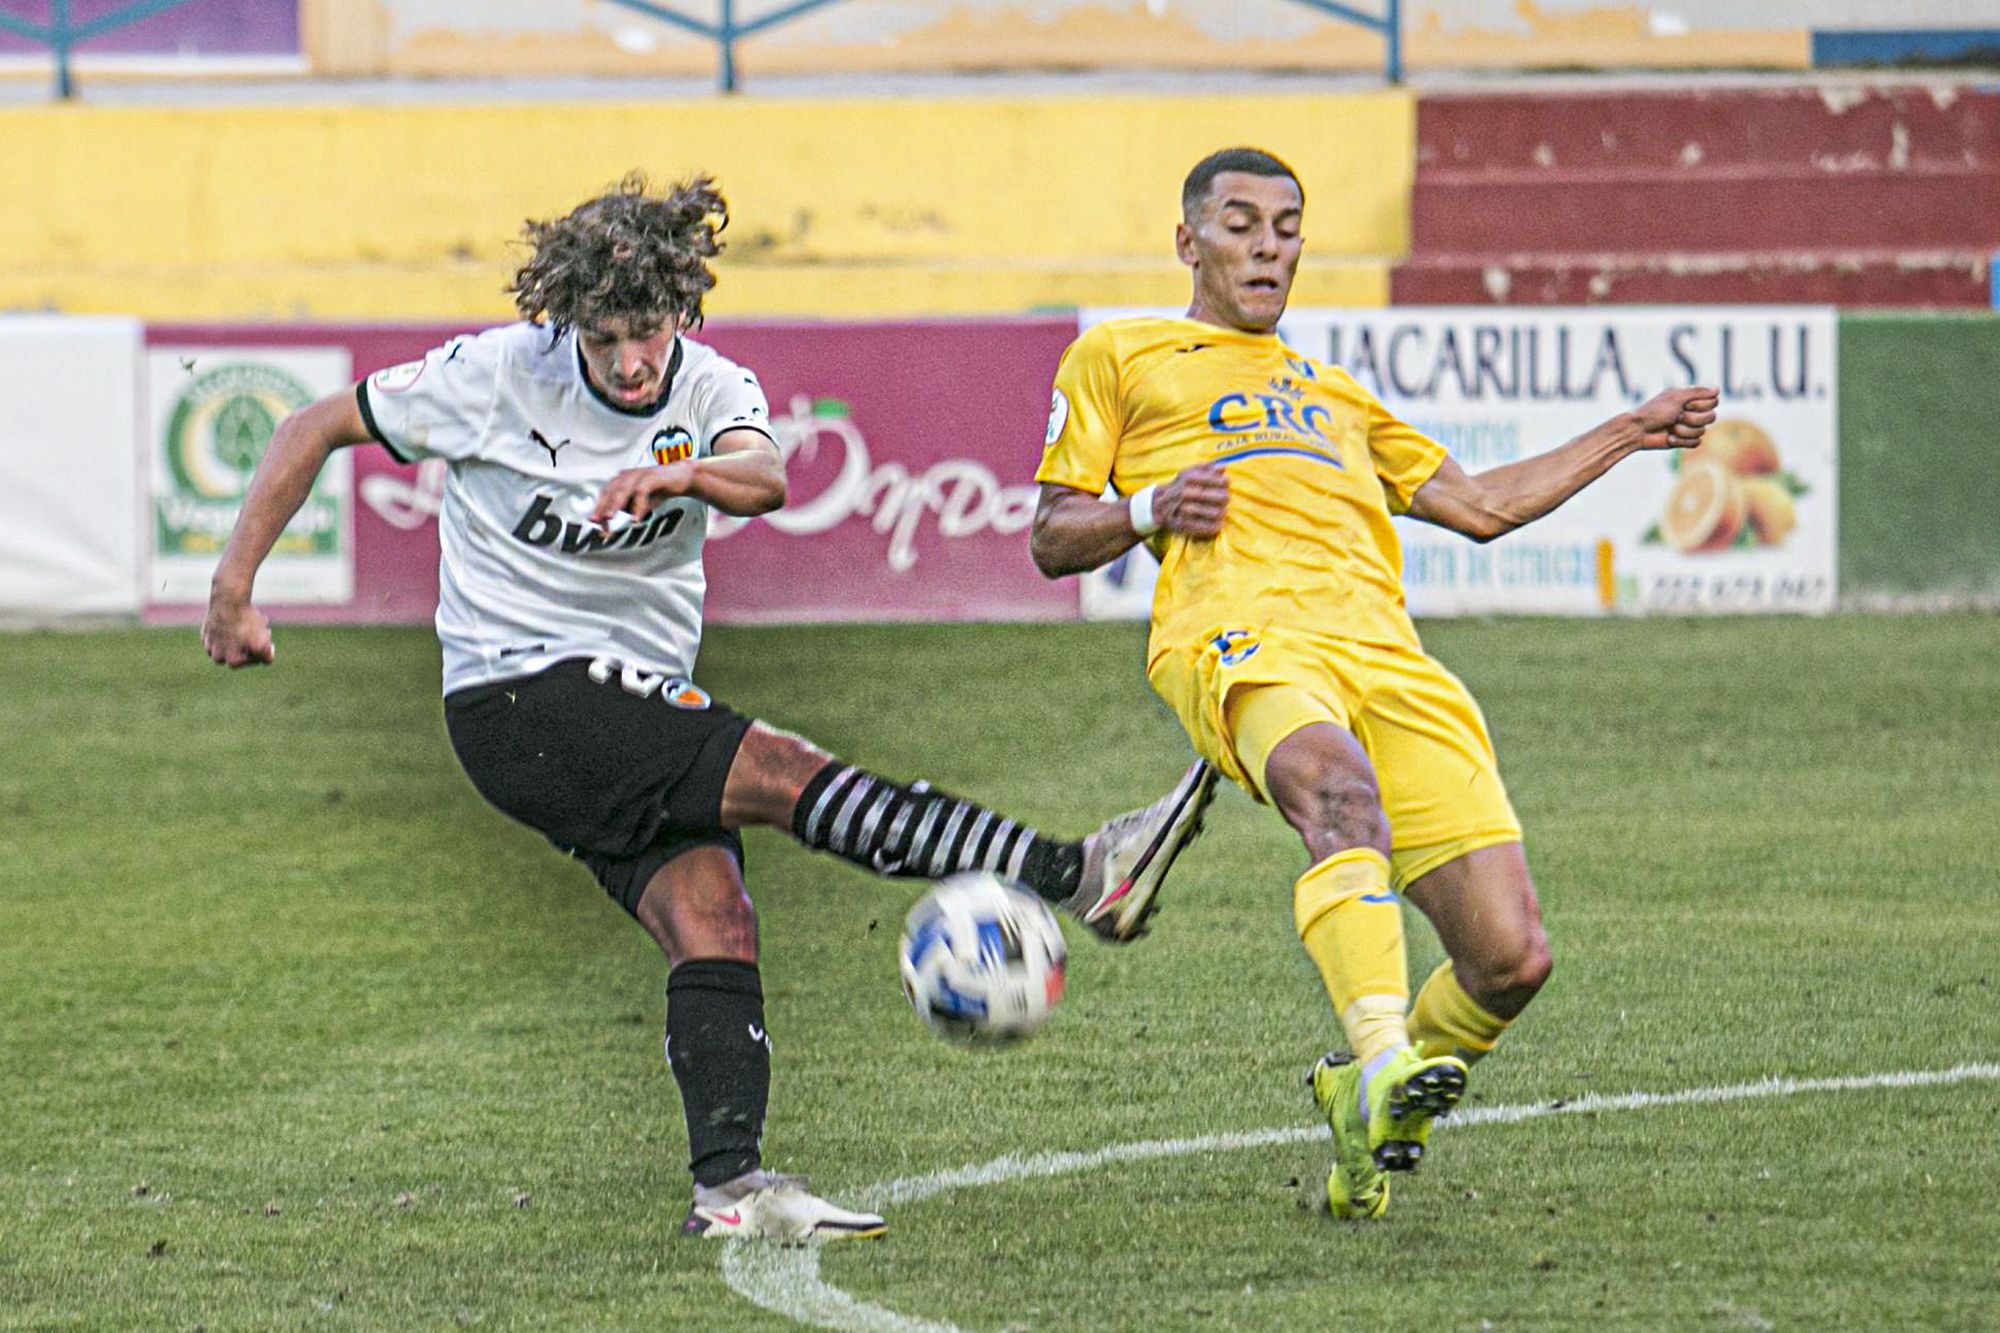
210 414
69 479
1746 523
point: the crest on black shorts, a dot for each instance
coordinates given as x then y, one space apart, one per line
676 690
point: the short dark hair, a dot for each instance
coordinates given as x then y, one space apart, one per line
627 254
1253 161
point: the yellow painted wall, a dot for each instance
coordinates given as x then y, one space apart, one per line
840 207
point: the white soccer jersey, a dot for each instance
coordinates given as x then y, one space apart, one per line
524 581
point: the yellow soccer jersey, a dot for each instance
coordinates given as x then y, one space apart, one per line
1316 466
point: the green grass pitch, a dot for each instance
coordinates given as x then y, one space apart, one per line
295 1033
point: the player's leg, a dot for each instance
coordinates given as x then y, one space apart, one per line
694 906
630 783
1379 1100
1321 782
1458 854
696 910
1271 712
1108 880
1497 955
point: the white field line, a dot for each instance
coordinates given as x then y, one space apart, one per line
787 1281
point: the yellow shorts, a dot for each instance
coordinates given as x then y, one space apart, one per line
1433 758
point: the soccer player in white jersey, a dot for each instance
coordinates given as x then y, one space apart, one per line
587 446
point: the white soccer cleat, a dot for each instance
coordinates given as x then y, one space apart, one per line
1125 861
773 1207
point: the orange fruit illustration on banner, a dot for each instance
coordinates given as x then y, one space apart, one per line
1740 446
1730 491
1705 510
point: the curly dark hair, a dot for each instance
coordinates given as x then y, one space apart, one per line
626 254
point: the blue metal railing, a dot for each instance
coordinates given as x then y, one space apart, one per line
726 32
61 36
1389 23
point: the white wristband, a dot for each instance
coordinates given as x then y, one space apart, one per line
1140 510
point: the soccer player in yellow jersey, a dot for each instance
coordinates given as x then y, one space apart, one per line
1264 482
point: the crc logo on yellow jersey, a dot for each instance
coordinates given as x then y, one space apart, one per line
672 446
1280 413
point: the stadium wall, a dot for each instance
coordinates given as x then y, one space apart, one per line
513 37
1884 195
193 39
871 208
1920 477
69 484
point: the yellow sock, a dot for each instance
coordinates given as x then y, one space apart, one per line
1352 928
1447 1021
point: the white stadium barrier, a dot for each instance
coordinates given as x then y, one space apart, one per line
70 504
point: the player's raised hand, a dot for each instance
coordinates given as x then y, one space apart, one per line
1193 503
1676 418
638 491
236 634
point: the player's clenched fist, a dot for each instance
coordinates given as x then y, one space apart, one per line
1676 418
1193 503
236 634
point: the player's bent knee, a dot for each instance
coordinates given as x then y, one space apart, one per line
1507 978
1532 965
781 753
770 770
695 906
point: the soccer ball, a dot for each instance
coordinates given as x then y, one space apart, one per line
981 960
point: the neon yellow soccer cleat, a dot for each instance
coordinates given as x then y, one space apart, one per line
1356 1188
1405 1094
1383 1127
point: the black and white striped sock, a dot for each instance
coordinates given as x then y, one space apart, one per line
918 831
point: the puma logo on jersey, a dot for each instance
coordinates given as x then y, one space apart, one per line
539 527
543 440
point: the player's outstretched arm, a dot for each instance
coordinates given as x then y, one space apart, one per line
743 475
234 632
1495 502
1075 531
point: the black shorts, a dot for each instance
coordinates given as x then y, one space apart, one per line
621 770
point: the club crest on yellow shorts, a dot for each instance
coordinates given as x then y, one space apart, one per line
1233 647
